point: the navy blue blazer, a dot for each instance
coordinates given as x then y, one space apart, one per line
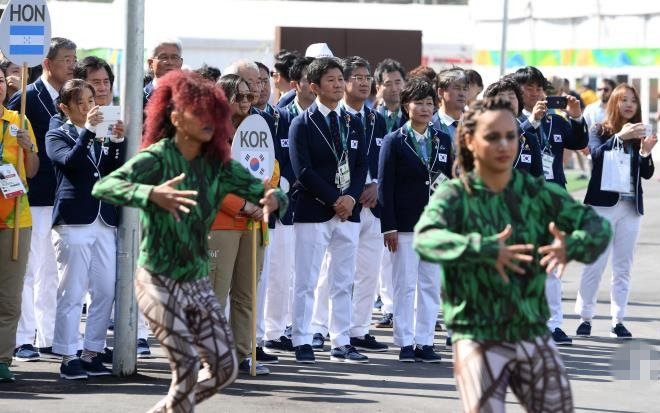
39 108
286 98
147 91
375 129
315 165
56 121
529 153
559 134
404 184
283 118
77 172
382 109
640 167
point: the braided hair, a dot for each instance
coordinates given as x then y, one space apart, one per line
464 158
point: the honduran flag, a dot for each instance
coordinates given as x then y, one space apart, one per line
26 40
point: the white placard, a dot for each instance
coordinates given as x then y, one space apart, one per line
111 114
253 147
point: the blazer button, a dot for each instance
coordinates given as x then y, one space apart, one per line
96 174
427 182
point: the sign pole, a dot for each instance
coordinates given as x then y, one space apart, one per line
17 210
253 366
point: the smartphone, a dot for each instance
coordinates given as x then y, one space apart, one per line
648 129
556 102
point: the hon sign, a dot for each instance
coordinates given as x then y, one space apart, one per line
253 147
25 31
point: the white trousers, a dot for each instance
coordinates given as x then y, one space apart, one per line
40 284
369 254
385 287
86 260
625 222
553 294
277 308
262 285
416 295
340 240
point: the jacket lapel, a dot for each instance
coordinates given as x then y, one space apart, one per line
44 98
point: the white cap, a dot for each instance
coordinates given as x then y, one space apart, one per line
317 50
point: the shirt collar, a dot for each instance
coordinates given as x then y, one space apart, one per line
297 105
353 111
526 113
445 119
78 129
420 136
54 94
325 111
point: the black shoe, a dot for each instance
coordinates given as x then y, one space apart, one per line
73 370
317 342
347 354
560 338
246 368
105 357
584 329
619 331
368 343
283 345
387 321
426 354
46 350
407 354
438 325
448 342
264 358
26 352
143 350
305 354
95 368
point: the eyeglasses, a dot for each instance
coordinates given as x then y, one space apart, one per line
168 57
248 96
603 89
359 78
264 82
67 61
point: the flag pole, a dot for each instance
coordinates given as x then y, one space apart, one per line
21 166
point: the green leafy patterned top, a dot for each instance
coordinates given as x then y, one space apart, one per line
178 250
459 231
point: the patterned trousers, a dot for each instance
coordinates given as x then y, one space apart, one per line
533 369
186 319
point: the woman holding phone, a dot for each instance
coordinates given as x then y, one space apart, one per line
622 127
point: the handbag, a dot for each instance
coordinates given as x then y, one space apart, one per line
616 169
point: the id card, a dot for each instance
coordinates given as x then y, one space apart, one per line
343 177
547 166
438 180
10 183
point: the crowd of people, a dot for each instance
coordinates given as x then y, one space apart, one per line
381 174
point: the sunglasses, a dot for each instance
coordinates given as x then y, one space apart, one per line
248 96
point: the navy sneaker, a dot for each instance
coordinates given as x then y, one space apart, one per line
46 350
407 354
264 358
287 331
245 365
368 343
387 321
26 352
378 304
560 338
317 342
619 331
305 354
105 357
426 354
283 345
584 329
95 367
347 354
143 350
73 370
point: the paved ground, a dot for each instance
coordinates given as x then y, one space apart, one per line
385 385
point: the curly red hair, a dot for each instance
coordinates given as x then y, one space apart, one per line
182 89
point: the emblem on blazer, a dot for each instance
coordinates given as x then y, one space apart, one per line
372 118
379 141
354 144
442 157
556 137
526 158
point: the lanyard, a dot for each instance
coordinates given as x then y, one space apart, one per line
392 118
418 148
2 140
293 110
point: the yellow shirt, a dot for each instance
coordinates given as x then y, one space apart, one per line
9 154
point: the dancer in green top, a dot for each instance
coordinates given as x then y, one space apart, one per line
186 143
498 232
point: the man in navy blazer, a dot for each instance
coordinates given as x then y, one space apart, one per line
40 285
357 75
328 154
555 134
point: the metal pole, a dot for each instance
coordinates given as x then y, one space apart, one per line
132 67
505 26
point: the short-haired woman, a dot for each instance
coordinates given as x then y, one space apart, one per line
622 127
84 230
414 159
484 228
